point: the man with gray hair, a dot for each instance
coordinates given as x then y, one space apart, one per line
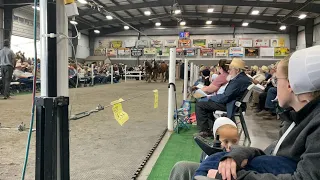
7 63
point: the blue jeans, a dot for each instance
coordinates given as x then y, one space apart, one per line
271 95
262 164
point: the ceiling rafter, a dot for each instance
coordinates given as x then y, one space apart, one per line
315 8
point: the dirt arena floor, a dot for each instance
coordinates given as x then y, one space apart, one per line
100 148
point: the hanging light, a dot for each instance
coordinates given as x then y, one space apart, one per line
109 17
182 23
255 12
283 27
302 16
96 31
245 24
158 24
208 22
177 11
126 27
73 22
147 13
210 10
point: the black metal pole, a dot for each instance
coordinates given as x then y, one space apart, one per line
52 50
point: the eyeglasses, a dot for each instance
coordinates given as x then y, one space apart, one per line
275 79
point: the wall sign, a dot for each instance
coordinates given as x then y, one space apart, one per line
190 52
214 43
245 42
165 52
274 43
261 43
124 52
266 51
116 44
136 52
129 43
221 52
230 43
199 43
149 51
252 52
281 51
170 43
184 43
142 44
236 51
111 52
184 35
206 52
282 42
156 43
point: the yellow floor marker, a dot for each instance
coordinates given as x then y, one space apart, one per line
156 98
118 112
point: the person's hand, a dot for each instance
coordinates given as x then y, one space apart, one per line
212 173
228 168
193 88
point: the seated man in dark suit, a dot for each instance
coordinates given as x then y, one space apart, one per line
236 88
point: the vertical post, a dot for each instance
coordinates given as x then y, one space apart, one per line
111 70
139 75
7 23
191 74
44 47
92 74
185 79
125 73
171 100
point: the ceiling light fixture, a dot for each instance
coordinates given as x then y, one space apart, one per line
158 24
126 27
83 1
208 22
96 31
38 8
109 17
147 13
255 12
245 24
283 27
302 16
73 22
182 23
210 10
177 11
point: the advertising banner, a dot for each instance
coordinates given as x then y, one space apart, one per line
245 42
252 52
282 42
236 51
135 52
116 44
190 52
170 43
230 43
142 44
221 52
199 43
281 51
261 43
179 51
156 43
206 52
111 52
274 42
149 51
184 35
184 43
129 43
266 51
165 51
214 43
124 52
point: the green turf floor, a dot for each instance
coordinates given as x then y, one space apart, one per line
180 147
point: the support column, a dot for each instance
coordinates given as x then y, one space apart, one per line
309 32
75 42
138 58
7 23
1 27
293 38
91 42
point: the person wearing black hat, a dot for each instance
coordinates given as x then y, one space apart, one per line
7 63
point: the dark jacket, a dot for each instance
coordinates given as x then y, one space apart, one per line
301 145
234 92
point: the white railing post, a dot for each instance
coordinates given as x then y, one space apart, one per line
139 75
92 74
171 93
125 73
111 74
191 74
185 79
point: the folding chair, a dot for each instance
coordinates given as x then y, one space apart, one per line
240 111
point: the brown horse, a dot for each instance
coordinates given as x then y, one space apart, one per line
148 67
163 71
155 70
